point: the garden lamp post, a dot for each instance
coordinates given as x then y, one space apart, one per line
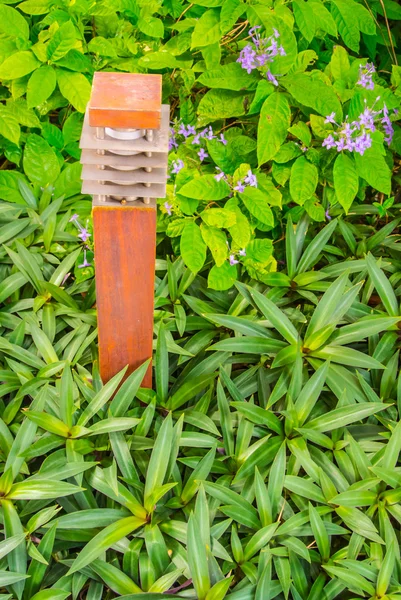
124 146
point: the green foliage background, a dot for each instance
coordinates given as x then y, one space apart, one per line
265 462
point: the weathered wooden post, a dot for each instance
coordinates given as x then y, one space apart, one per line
124 155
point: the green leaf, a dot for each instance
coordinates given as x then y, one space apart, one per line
75 88
19 64
303 180
207 29
103 540
339 63
9 126
205 188
320 533
373 168
305 18
344 13
192 246
346 181
216 241
272 128
386 571
313 93
340 417
40 161
257 204
222 277
229 77
12 23
383 286
197 558
159 459
221 104
61 42
279 320
41 489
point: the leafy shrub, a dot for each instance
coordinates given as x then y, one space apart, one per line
265 463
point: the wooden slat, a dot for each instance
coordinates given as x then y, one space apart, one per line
125 247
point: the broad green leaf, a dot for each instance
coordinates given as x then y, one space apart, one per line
346 181
61 42
12 23
18 65
40 161
273 124
313 93
257 204
75 88
192 246
303 180
41 85
205 188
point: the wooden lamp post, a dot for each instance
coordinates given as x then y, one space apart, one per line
124 155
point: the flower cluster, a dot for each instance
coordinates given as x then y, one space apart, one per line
249 179
365 76
356 136
261 52
186 131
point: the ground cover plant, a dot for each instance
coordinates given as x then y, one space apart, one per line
265 461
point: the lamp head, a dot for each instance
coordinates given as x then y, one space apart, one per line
124 140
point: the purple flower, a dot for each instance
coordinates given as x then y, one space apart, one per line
247 58
250 179
186 130
262 51
327 215
387 125
271 78
365 76
85 263
242 252
84 234
183 131
223 139
240 187
329 142
208 133
196 139
66 276
74 218
362 143
177 166
220 175
202 154
331 118
172 143
366 119
168 208
253 30
233 260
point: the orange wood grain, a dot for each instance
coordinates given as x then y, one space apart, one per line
125 247
125 100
